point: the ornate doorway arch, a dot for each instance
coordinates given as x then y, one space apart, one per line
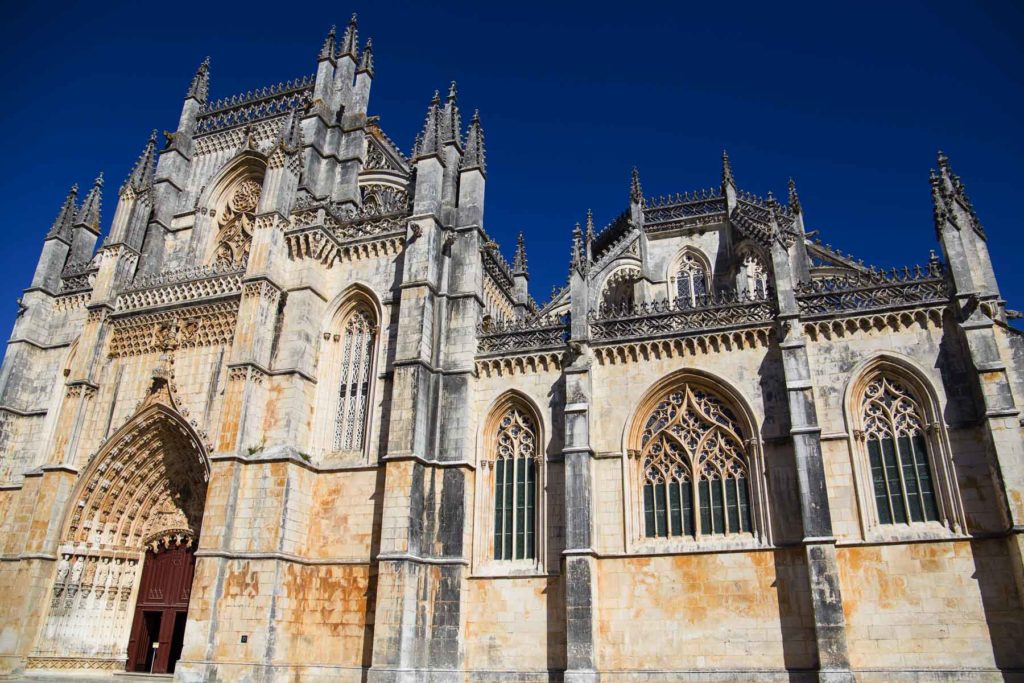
140 496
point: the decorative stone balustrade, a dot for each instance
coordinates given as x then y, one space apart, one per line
665 318
197 283
873 290
530 334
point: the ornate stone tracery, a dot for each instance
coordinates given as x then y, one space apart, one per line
901 475
235 222
515 464
693 467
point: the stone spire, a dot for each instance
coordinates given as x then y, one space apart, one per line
89 213
141 176
727 177
636 193
952 189
350 40
327 49
451 119
65 217
590 235
429 138
366 62
199 89
794 200
519 259
475 156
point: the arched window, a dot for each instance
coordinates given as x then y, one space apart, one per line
694 469
618 289
515 485
894 430
754 279
357 343
691 280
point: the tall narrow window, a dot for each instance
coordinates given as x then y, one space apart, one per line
691 280
515 487
755 277
695 476
354 389
898 454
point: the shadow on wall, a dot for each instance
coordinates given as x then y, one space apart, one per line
993 570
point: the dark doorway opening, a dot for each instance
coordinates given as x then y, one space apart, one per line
158 631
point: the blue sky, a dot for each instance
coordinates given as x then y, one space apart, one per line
851 100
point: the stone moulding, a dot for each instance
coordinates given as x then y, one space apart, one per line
872 291
320 244
504 365
522 335
667 319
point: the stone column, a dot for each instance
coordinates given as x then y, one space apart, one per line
818 541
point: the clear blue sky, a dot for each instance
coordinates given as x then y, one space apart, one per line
852 100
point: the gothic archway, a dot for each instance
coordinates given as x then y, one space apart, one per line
138 506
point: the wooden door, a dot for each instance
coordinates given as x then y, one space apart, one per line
158 627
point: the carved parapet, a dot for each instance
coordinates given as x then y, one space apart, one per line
253 106
872 291
192 284
680 317
518 336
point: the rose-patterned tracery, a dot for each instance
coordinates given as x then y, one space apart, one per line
898 453
691 451
236 221
515 486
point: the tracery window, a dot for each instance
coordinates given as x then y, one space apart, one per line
755 277
515 486
694 467
898 453
354 385
236 221
691 280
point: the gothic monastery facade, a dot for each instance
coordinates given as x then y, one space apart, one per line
295 418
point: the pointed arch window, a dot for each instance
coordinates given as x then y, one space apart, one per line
692 280
357 343
695 472
901 473
755 276
515 486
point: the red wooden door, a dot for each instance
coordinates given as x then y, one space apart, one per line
158 627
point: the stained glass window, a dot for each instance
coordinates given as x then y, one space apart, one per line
515 487
354 386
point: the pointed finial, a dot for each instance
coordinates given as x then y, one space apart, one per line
199 89
327 49
579 259
451 122
519 259
794 200
291 132
430 136
366 63
590 224
66 216
636 193
89 213
475 155
141 176
727 177
350 40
